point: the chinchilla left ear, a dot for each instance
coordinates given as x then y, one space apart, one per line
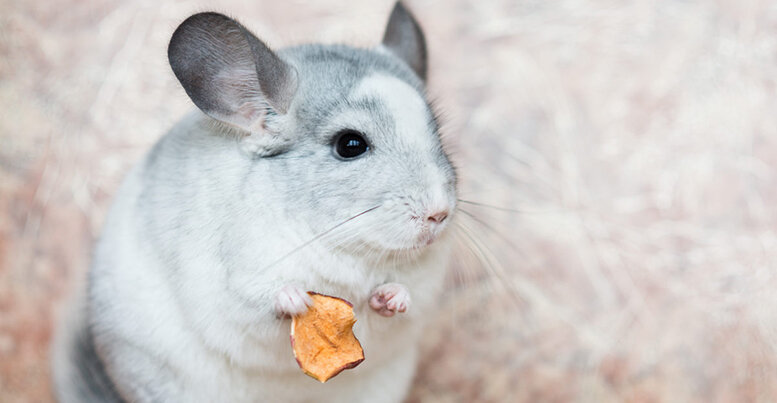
228 72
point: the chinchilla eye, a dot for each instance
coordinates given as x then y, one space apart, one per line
350 144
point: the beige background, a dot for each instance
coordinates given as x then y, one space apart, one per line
636 139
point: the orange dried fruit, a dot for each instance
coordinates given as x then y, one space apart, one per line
322 338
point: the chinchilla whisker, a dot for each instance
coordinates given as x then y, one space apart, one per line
319 236
401 255
489 227
490 262
498 208
467 274
342 238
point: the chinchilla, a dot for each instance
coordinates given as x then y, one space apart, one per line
310 168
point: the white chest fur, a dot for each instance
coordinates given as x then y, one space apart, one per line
207 331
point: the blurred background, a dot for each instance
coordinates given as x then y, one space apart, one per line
632 143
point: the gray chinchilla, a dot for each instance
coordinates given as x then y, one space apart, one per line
315 167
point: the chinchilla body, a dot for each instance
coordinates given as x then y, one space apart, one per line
255 191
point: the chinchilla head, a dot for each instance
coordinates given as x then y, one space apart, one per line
337 130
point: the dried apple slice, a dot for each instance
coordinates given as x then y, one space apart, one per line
322 338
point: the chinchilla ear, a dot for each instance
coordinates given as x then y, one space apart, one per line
405 39
228 72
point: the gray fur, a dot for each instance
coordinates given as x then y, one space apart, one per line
79 371
94 383
192 255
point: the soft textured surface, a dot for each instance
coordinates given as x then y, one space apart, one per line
634 141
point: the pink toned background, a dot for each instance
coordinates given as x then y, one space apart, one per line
637 141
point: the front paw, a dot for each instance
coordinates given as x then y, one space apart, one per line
390 298
292 300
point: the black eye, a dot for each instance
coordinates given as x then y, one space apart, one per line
350 144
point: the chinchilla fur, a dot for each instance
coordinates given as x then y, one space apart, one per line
254 198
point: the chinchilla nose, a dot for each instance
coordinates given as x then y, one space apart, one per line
437 217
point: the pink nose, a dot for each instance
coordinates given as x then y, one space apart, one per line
437 217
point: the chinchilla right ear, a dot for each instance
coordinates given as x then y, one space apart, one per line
228 72
405 38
